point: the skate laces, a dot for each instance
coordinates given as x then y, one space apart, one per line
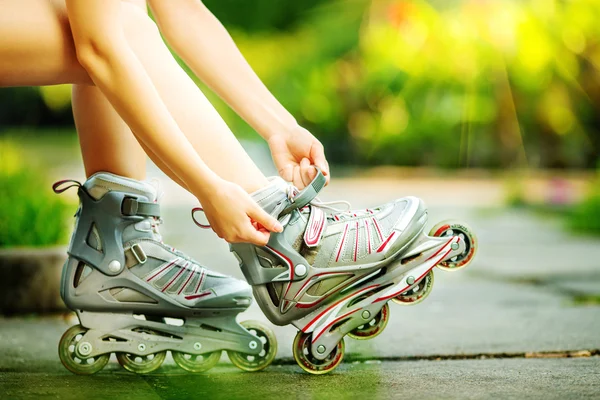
290 193
337 213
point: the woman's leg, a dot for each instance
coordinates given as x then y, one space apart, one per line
107 144
44 33
36 46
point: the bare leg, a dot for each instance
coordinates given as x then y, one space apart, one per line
40 44
107 143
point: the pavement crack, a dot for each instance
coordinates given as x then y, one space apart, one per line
473 356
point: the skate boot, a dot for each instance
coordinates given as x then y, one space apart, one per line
139 298
332 273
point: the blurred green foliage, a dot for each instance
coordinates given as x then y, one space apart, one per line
30 214
585 216
412 82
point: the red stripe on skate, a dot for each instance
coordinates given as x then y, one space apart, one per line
197 296
440 249
416 280
162 270
382 247
378 229
356 243
333 322
199 281
173 280
368 234
290 265
333 305
188 279
342 244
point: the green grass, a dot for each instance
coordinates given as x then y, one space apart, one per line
587 300
30 214
585 217
44 147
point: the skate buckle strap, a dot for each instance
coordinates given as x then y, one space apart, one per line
132 207
306 195
138 253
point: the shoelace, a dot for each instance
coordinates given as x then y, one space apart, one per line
291 192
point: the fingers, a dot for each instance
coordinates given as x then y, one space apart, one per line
317 154
307 172
260 216
258 237
287 173
297 177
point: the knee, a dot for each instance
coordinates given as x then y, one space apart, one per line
135 23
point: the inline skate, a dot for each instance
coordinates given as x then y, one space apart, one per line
139 298
332 273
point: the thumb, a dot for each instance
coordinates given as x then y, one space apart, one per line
317 154
259 215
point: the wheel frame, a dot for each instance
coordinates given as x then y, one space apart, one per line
429 288
372 330
66 355
302 343
241 360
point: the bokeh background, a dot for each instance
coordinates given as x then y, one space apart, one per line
510 88
488 110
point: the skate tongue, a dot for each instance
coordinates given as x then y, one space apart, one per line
101 183
273 197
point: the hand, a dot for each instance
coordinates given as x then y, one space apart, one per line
295 153
235 216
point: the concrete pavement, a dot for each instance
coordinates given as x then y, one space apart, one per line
518 298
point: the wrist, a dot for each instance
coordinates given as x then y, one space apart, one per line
279 125
206 183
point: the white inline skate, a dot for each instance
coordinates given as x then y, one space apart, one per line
331 274
139 298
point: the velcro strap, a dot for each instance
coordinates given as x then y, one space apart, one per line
307 194
143 250
132 206
315 227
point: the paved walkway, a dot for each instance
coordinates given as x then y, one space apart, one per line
516 315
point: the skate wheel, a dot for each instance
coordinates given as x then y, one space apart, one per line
68 355
196 362
305 359
372 328
462 230
141 364
256 362
418 293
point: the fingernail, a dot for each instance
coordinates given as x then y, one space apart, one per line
278 227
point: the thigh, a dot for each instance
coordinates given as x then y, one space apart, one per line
36 46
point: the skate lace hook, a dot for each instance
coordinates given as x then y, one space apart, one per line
292 192
194 211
